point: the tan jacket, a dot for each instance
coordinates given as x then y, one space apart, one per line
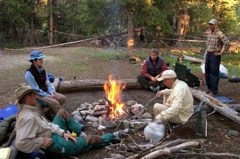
180 102
31 128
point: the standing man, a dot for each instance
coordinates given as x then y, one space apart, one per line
151 70
34 131
177 104
37 78
217 45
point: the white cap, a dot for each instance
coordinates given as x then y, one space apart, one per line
213 21
167 74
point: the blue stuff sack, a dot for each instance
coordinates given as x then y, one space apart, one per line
51 78
8 111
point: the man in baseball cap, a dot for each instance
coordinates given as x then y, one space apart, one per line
213 21
217 45
177 104
167 74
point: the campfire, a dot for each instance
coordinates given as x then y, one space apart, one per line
111 112
113 90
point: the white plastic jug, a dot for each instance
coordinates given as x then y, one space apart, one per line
154 132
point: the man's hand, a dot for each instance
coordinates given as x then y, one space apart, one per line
53 96
154 79
217 53
47 141
159 94
67 136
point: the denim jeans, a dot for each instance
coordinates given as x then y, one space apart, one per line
212 71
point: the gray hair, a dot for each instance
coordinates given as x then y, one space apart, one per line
156 51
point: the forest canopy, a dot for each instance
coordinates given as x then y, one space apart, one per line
36 22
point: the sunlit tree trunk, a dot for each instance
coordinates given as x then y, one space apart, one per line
50 23
183 22
214 10
130 41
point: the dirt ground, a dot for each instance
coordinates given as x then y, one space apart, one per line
217 139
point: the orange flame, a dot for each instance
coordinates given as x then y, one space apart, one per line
113 90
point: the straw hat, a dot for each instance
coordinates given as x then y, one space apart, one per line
22 91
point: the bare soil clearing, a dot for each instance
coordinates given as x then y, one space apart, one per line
218 125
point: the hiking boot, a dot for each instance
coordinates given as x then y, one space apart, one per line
212 94
208 91
122 133
158 89
153 89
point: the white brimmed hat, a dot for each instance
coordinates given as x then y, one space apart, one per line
213 21
167 74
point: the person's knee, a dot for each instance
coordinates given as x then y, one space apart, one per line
62 100
55 107
155 109
140 77
63 114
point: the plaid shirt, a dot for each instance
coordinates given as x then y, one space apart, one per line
217 42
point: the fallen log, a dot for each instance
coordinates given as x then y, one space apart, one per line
217 105
166 148
208 154
169 150
234 106
93 84
192 59
80 41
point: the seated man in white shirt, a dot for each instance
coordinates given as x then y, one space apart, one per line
177 106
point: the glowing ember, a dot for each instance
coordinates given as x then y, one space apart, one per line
113 90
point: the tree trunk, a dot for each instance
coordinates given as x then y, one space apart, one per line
73 18
130 41
32 31
183 22
50 22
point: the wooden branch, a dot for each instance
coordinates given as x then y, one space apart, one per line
173 143
192 59
80 41
161 145
169 150
208 154
217 105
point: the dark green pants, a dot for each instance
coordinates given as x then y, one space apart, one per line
146 82
68 148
